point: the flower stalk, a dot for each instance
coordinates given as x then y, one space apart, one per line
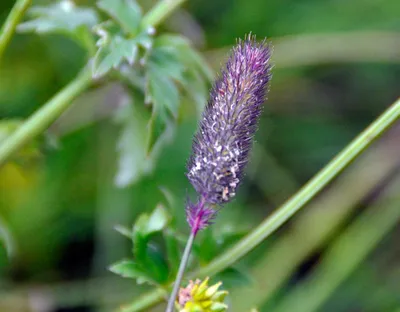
222 144
181 271
289 208
8 29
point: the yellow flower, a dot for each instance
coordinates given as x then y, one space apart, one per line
199 297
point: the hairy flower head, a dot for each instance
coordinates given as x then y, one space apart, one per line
223 141
199 297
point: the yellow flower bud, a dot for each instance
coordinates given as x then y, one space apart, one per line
199 297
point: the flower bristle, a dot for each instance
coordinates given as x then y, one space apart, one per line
224 139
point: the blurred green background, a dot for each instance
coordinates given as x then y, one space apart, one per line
337 67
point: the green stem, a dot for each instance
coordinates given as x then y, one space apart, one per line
160 12
294 204
44 116
179 276
308 191
273 267
11 23
144 301
50 111
345 255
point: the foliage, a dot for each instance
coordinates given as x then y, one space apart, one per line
58 202
162 68
157 248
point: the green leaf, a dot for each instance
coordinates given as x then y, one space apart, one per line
63 16
140 225
156 266
123 231
113 49
127 268
127 13
173 253
174 56
158 220
146 255
166 62
181 47
120 49
163 93
155 222
161 132
139 247
133 161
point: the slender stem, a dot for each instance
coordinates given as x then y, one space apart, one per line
44 116
11 23
179 276
160 12
345 255
295 203
308 191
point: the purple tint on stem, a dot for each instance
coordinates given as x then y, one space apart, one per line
199 215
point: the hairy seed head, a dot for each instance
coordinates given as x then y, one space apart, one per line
223 141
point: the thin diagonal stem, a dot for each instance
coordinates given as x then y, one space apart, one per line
160 12
43 117
294 204
11 23
345 255
50 111
308 191
181 271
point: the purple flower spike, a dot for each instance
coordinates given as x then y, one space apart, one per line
223 141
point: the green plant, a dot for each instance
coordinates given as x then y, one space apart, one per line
157 70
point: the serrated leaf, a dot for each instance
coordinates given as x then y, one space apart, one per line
128 269
111 56
181 47
133 161
166 62
163 93
63 16
127 13
114 48
174 55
